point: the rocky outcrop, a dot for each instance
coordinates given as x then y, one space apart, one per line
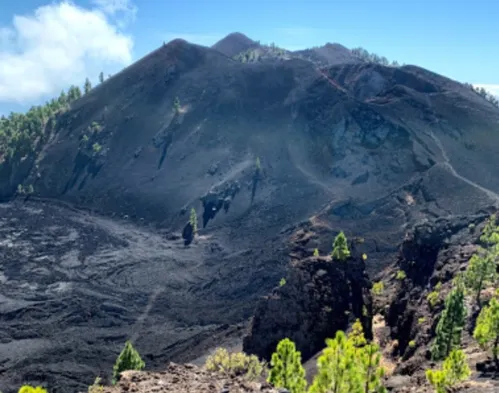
185 378
433 252
320 296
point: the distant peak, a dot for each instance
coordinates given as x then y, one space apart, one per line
239 36
234 43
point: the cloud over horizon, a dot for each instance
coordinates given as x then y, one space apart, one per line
58 45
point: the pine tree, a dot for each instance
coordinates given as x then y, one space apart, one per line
176 105
451 323
129 359
481 271
487 328
337 368
340 247
193 220
372 373
356 335
87 86
286 368
63 98
454 370
101 77
490 233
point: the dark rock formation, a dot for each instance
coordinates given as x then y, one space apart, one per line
432 252
218 199
188 233
320 297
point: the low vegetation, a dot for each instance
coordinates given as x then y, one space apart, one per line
454 370
401 275
378 288
31 389
236 364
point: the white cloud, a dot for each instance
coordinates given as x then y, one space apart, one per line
58 45
492 89
200 39
124 8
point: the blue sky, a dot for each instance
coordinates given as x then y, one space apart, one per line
459 38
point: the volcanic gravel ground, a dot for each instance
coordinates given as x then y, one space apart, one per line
74 287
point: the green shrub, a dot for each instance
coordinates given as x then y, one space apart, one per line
378 288
316 252
128 359
412 344
96 387
236 364
96 148
433 298
31 389
421 320
400 275
282 282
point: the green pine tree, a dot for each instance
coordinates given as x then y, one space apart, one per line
87 86
454 370
371 372
451 323
487 328
129 359
63 98
490 233
340 247
338 370
176 105
101 77
480 272
286 368
193 219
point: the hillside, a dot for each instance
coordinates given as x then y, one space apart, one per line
264 151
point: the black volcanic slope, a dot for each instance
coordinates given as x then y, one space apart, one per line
362 147
233 44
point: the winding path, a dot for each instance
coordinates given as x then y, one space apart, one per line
491 194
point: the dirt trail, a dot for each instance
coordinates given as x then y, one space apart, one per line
491 194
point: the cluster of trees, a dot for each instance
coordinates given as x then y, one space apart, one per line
21 133
348 364
484 93
368 57
481 273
